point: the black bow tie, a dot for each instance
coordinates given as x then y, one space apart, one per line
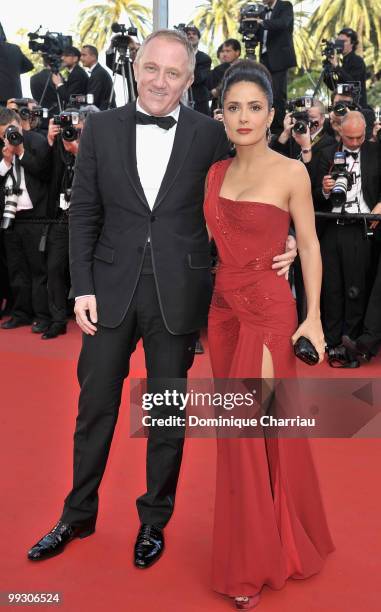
269 10
163 122
353 154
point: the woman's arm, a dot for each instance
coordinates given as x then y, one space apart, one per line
302 213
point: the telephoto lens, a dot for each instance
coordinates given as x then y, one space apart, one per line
13 136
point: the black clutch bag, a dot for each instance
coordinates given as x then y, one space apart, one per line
305 350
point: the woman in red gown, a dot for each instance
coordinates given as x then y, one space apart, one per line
270 523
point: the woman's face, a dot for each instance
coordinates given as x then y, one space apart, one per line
246 113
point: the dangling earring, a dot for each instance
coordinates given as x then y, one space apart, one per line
268 132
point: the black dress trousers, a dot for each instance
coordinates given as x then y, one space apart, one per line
58 269
102 368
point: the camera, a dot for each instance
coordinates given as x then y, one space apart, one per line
302 120
122 40
342 108
10 208
14 137
39 112
78 100
344 180
181 27
330 47
68 122
305 102
248 26
51 45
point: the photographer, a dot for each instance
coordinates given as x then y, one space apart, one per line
199 88
122 51
64 142
345 99
351 181
77 80
100 82
230 52
24 171
43 90
353 67
12 63
277 52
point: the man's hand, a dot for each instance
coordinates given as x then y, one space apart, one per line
334 60
53 131
57 79
8 153
71 147
282 263
328 184
376 211
303 140
287 128
84 305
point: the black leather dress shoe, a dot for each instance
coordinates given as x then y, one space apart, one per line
39 327
54 330
55 541
339 357
354 347
149 545
14 322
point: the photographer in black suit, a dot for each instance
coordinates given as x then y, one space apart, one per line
43 90
100 82
77 81
25 166
353 66
277 52
12 63
199 89
140 268
346 253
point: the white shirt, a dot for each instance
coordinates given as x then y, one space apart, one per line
265 32
153 150
355 198
23 201
89 70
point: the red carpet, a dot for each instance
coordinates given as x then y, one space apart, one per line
38 408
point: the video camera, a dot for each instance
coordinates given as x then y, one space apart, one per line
122 38
51 46
68 121
331 47
344 180
78 100
27 113
248 25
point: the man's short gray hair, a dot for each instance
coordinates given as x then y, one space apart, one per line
171 36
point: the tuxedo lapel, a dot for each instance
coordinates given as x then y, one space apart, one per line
185 132
127 145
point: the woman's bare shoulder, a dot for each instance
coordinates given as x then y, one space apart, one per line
288 167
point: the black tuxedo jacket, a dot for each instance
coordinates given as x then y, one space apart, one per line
37 86
110 219
100 84
200 89
280 45
76 83
12 63
370 174
352 69
36 162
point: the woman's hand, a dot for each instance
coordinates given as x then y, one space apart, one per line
312 329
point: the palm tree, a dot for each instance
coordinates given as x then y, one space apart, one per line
94 21
218 20
363 16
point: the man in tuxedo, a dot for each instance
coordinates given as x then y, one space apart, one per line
12 63
346 253
277 52
77 81
353 67
100 82
199 88
25 166
140 267
230 53
43 90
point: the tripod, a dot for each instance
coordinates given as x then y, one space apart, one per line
44 92
129 88
326 76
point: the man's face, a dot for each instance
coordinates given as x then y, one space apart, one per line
348 46
193 38
133 47
352 134
87 58
69 60
315 115
228 54
162 75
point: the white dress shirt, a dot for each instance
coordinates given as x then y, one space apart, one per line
23 201
89 70
355 198
153 150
